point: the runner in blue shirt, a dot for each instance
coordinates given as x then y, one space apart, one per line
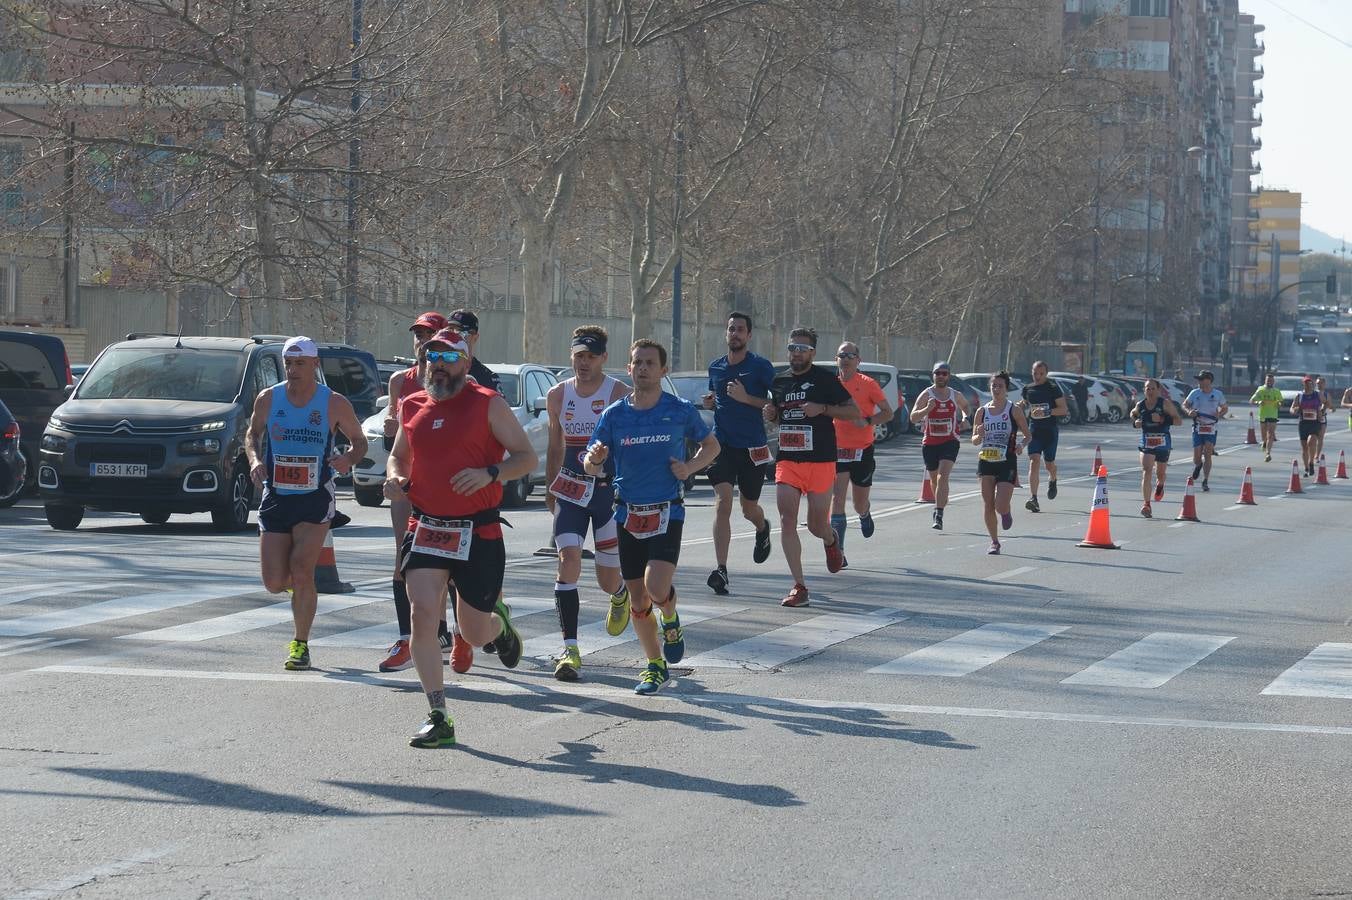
739 388
644 436
1206 406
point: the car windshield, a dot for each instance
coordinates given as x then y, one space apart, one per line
691 387
1288 383
146 373
509 385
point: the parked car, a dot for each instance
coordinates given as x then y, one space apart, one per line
981 382
1067 387
1130 392
522 385
77 371
957 382
1107 401
34 375
693 386
1329 321
157 427
910 387
13 466
388 367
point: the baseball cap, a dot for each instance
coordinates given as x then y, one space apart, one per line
1308 380
448 337
592 343
464 320
433 320
300 346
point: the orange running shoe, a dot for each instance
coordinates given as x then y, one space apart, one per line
462 654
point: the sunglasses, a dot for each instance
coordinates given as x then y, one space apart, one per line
448 356
847 355
801 348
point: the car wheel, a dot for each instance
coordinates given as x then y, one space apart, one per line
882 432
64 518
368 496
8 500
233 513
514 493
1114 415
154 518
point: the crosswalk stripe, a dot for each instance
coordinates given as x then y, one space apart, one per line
61 587
784 645
121 608
1326 672
593 637
38 645
378 637
247 620
965 653
1151 661
1001 576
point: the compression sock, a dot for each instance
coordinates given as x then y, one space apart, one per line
401 610
566 603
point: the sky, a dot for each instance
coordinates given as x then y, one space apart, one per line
1307 106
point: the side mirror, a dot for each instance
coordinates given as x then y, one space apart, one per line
539 405
67 391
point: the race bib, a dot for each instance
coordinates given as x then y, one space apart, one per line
447 538
939 427
573 487
648 520
759 455
1041 410
1309 414
295 473
1206 427
1154 440
795 437
992 454
849 456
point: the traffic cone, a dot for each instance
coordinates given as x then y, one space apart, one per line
1322 477
1253 435
1295 487
1342 466
1098 459
1246 489
926 490
1189 511
1099 534
326 570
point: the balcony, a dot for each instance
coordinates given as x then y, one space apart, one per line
1258 48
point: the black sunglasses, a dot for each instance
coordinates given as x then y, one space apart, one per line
847 355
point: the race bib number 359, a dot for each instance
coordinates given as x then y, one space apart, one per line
447 538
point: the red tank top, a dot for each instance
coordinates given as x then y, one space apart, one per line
446 437
941 425
409 386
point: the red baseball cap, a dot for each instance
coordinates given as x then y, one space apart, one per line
450 338
433 320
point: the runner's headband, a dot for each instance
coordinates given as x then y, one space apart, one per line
591 343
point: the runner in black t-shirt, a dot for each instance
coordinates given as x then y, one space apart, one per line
1043 403
805 401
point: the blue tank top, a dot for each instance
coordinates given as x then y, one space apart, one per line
1155 424
300 439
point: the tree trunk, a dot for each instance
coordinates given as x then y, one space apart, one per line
535 259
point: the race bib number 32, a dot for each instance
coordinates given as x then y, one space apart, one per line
646 521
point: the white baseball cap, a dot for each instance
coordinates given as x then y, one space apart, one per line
300 346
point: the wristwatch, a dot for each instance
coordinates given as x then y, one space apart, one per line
492 473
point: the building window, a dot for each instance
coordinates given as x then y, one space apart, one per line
1148 56
1158 9
11 193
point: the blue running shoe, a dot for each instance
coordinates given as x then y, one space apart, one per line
673 640
653 678
866 525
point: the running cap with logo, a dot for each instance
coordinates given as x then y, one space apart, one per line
449 338
464 320
591 343
1307 380
300 346
1205 373
433 320
941 366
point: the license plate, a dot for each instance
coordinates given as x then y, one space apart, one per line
117 470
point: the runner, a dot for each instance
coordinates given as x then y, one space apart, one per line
1306 407
939 407
644 437
993 430
1269 401
405 384
577 500
1347 405
854 445
1154 415
467 323
449 459
738 387
1206 406
1326 404
295 473
1043 403
806 399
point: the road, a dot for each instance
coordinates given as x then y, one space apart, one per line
1172 718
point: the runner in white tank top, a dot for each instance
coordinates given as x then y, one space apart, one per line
993 431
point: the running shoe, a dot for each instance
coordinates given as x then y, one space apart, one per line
437 731
718 581
569 663
797 597
844 561
1205 486
1145 511
938 520
462 655
1006 521
446 642
762 551
1267 457
1196 472
653 678
617 617
398 659
339 520
835 558
866 525
994 549
509 642
673 640
298 657
1032 506
1159 491
1051 489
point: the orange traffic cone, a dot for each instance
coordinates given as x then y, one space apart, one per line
326 570
1342 466
1098 460
1099 534
926 490
1246 489
1253 436
1295 487
1189 511
1322 477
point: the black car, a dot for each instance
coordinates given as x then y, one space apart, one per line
13 466
156 427
34 373
910 387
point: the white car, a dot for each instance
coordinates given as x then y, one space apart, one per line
523 386
886 376
981 383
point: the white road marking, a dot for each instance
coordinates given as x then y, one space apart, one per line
1326 672
1236 506
127 549
247 620
1001 576
594 637
970 651
121 608
1151 661
784 645
1179 524
378 637
47 590
38 645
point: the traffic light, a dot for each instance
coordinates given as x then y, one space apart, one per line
1331 284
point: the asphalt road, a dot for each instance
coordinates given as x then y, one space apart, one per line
1173 718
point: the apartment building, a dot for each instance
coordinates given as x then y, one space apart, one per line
1276 233
1245 281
